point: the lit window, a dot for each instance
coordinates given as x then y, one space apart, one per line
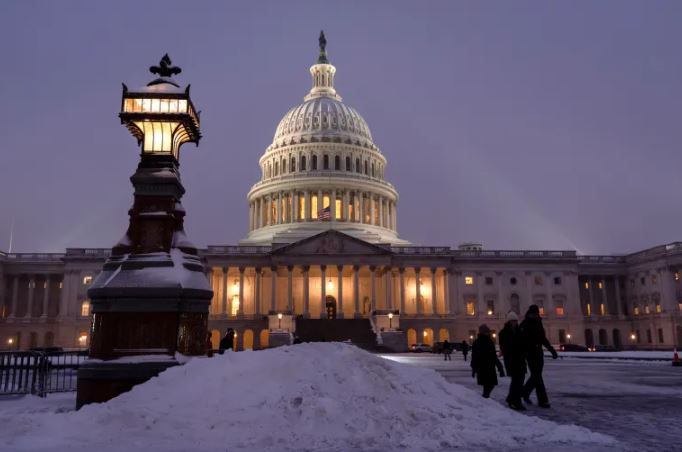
83 339
636 310
600 285
469 280
559 310
679 306
61 284
646 309
588 307
602 309
87 280
471 310
587 285
677 276
491 307
45 285
85 309
542 310
658 308
31 284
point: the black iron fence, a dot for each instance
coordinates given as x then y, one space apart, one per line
39 372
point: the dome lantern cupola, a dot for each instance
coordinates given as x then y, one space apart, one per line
323 74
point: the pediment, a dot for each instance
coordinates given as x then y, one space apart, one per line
331 243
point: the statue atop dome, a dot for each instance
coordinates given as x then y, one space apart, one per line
322 59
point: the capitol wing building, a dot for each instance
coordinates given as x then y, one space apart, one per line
323 260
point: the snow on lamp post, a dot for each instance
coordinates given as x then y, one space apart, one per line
152 296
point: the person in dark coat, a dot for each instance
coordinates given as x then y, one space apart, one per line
447 350
227 342
514 356
484 361
209 345
465 349
533 335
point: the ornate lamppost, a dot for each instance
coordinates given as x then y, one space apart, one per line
152 296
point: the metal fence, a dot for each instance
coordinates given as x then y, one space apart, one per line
39 372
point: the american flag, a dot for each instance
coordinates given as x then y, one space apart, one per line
324 214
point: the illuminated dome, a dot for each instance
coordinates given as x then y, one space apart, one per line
322 171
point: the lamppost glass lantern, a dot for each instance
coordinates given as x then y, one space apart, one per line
161 115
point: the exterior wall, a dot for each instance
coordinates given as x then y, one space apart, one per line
41 295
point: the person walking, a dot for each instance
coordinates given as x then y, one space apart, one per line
447 350
227 342
465 349
514 357
533 335
484 361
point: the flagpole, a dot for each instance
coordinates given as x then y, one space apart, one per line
11 236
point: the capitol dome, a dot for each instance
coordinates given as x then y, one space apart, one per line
322 171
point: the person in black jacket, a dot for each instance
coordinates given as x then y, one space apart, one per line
514 356
227 342
533 335
484 361
465 349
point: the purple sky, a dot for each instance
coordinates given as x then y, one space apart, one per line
518 124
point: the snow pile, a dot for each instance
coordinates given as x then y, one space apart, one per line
325 396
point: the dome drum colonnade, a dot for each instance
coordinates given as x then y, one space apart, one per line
322 166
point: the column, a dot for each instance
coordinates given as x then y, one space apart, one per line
306 291
223 308
273 290
344 210
294 207
372 206
418 291
257 301
31 294
395 216
362 208
320 203
339 312
306 207
46 294
332 205
356 291
268 210
373 281
401 272
389 289
278 208
433 291
240 311
619 307
251 211
15 296
381 212
290 288
447 291
323 292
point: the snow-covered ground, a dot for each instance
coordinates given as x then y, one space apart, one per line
637 402
308 397
631 354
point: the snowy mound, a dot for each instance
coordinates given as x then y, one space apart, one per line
313 397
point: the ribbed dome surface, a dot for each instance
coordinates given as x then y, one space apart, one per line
322 117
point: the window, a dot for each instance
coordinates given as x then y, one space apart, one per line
372 169
541 306
471 308
638 337
602 309
469 280
512 281
347 163
654 279
588 309
314 163
658 308
366 168
632 283
85 309
303 163
635 310
559 311
31 284
646 309
284 166
587 285
679 306
660 335
488 280
491 307
357 165
600 284
642 280
61 284
677 276
557 280
515 303
325 162
538 280
293 164
337 162
562 336
648 336
276 168
87 280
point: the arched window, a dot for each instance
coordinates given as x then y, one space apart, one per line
276 168
347 163
366 168
357 165
515 304
337 163
85 309
372 169
325 161
314 162
293 164
303 167
284 166
269 169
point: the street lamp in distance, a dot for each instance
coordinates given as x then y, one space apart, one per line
390 320
279 321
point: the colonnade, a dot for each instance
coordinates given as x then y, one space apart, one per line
30 282
355 290
294 206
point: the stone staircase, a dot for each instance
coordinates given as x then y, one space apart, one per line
358 331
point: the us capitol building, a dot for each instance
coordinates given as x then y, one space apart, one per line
323 260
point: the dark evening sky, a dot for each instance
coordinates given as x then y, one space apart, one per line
540 125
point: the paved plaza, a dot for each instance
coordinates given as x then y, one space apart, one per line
638 402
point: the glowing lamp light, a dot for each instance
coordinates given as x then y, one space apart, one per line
471 337
161 115
494 335
83 339
633 336
279 320
390 315
490 312
568 336
390 320
10 341
330 285
426 333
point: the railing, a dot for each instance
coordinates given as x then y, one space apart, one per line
33 257
321 173
237 250
515 254
601 259
421 249
39 372
88 252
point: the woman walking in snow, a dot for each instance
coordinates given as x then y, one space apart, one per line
484 361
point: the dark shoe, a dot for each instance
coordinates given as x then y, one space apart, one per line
516 406
527 400
544 405
485 396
